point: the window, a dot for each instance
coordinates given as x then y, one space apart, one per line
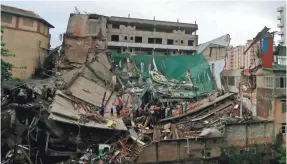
268 82
116 26
190 42
208 154
169 41
46 29
173 52
280 82
151 40
6 18
115 38
131 50
231 81
132 38
283 104
126 38
158 40
28 22
124 49
181 41
138 39
283 128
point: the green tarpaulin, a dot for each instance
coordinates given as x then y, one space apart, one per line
173 67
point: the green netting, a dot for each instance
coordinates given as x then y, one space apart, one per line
173 67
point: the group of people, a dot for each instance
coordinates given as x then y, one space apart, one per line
20 95
161 111
118 104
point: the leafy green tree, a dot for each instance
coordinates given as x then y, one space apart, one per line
5 66
281 151
282 155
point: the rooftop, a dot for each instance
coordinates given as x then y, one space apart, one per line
25 13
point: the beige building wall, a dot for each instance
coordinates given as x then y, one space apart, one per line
214 53
28 40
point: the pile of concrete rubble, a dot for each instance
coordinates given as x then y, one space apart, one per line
68 118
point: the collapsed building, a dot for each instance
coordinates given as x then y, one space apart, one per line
177 110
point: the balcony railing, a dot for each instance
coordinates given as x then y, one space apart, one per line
280 9
281 32
280 25
279 17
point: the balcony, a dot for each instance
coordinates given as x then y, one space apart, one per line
279 17
281 32
280 9
280 25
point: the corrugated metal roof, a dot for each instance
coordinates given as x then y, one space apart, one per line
21 12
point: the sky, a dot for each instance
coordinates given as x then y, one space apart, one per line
241 19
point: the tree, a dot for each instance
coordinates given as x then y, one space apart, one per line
5 66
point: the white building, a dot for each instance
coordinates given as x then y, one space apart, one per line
281 25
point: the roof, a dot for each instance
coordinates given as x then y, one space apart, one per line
153 22
24 13
220 41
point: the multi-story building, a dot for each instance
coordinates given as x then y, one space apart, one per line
281 25
150 36
237 60
250 56
90 34
27 37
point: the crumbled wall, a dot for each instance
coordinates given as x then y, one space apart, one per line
265 102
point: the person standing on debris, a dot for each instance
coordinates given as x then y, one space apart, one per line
102 111
112 111
44 92
121 103
167 111
185 107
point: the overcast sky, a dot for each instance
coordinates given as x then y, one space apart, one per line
242 20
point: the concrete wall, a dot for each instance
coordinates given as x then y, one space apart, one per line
266 95
265 102
82 25
179 150
233 88
214 53
242 135
131 31
28 44
216 68
279 117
